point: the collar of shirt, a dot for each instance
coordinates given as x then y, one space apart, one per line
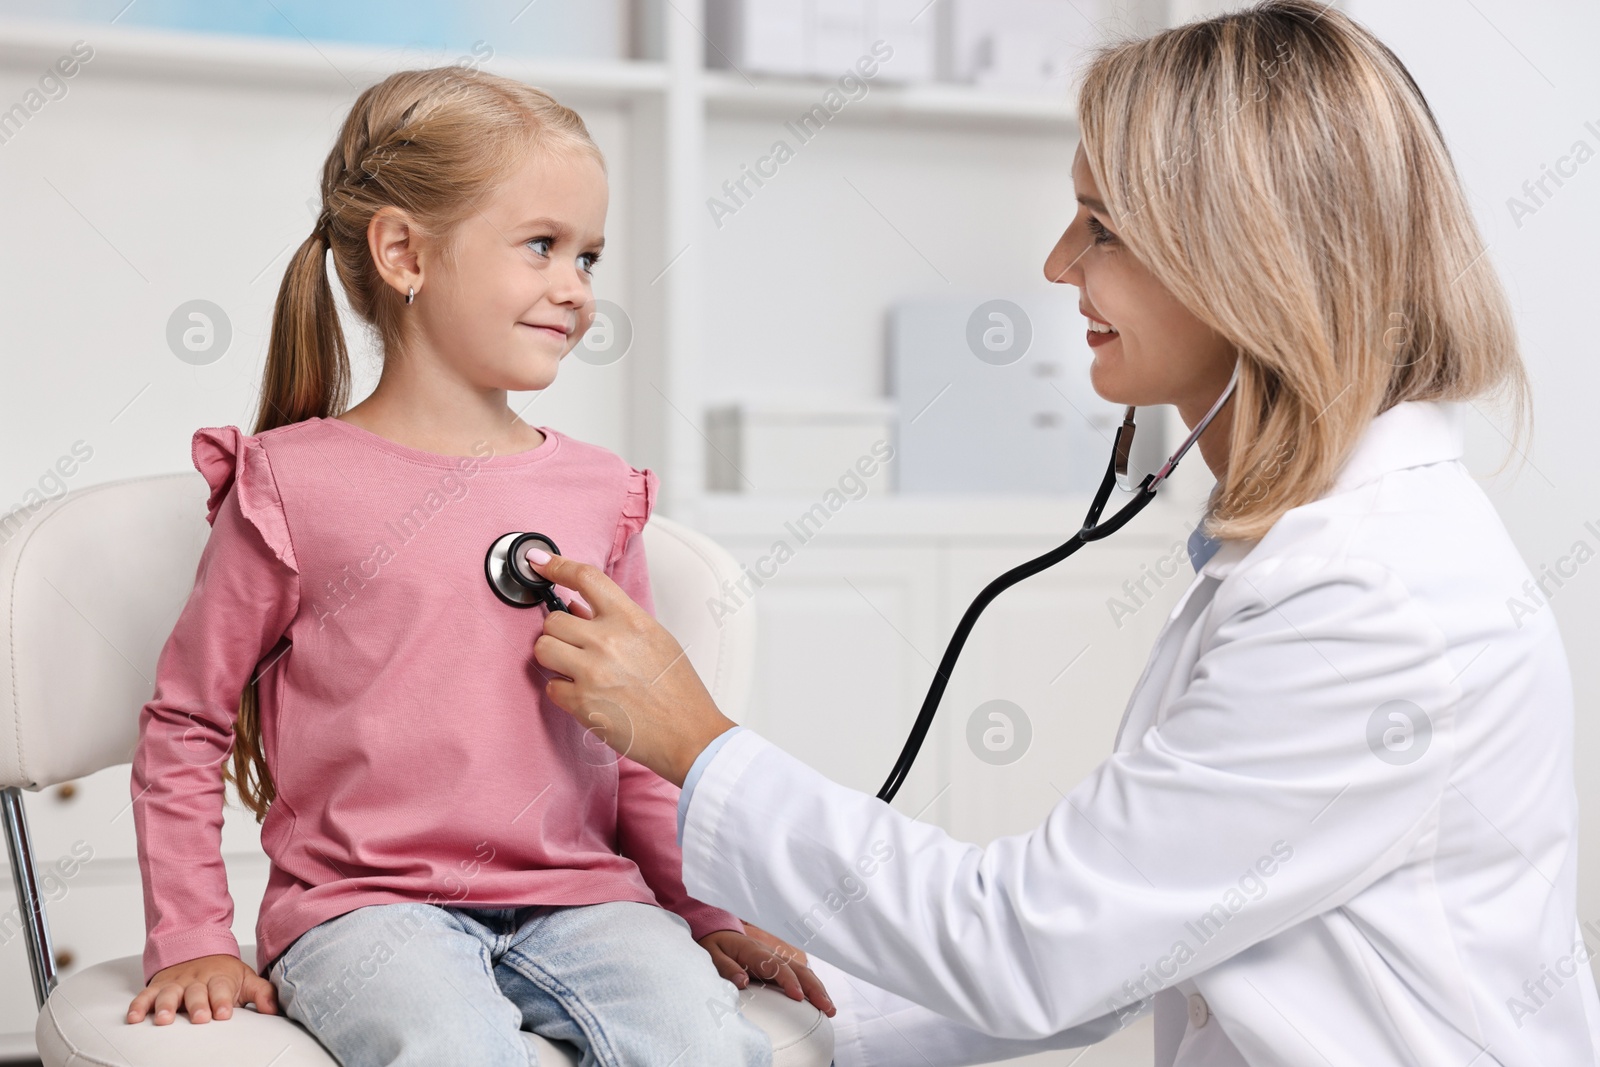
1410 434
1201 547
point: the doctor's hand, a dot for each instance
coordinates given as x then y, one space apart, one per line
626 678
739 957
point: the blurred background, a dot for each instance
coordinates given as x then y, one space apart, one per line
769 319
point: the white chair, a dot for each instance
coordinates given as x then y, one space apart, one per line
90 585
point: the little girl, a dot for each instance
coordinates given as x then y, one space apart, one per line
452 861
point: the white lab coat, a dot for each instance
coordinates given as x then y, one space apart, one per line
1339 825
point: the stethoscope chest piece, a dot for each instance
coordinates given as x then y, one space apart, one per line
513 579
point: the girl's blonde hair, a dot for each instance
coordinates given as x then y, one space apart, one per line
1278 170
432 143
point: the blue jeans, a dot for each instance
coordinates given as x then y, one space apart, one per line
429 985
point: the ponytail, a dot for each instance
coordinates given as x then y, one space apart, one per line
308 366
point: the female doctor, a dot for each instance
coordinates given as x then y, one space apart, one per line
1339 825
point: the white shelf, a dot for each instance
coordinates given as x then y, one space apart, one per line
730 95
242 60
212 58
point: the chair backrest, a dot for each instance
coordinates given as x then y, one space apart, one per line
91 584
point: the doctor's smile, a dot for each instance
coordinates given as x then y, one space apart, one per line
533 781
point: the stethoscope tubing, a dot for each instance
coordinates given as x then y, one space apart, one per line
1092 530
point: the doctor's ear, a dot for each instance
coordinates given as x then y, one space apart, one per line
397 246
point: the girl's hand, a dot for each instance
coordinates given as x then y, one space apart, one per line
207 986
738 956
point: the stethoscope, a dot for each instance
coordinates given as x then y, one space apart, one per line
1093 530
514 580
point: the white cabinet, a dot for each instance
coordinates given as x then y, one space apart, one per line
852 627
1052 648
848 634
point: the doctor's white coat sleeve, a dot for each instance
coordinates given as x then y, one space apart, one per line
876 1028
1255 802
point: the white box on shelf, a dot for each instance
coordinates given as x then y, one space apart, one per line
838 34
792 447
1021 46
757 36
821 38
993 396
911 28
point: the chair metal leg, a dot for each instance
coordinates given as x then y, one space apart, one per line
35 927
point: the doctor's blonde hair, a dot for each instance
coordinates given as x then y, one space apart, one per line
432 143
1280 173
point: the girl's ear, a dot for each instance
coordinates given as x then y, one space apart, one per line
395 243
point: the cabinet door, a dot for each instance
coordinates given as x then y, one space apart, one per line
1063 650
96 812
846 647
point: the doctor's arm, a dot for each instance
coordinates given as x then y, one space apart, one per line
1254 804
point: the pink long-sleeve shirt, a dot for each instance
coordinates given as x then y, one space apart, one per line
402 714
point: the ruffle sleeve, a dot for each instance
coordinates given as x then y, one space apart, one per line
231 460
637 504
